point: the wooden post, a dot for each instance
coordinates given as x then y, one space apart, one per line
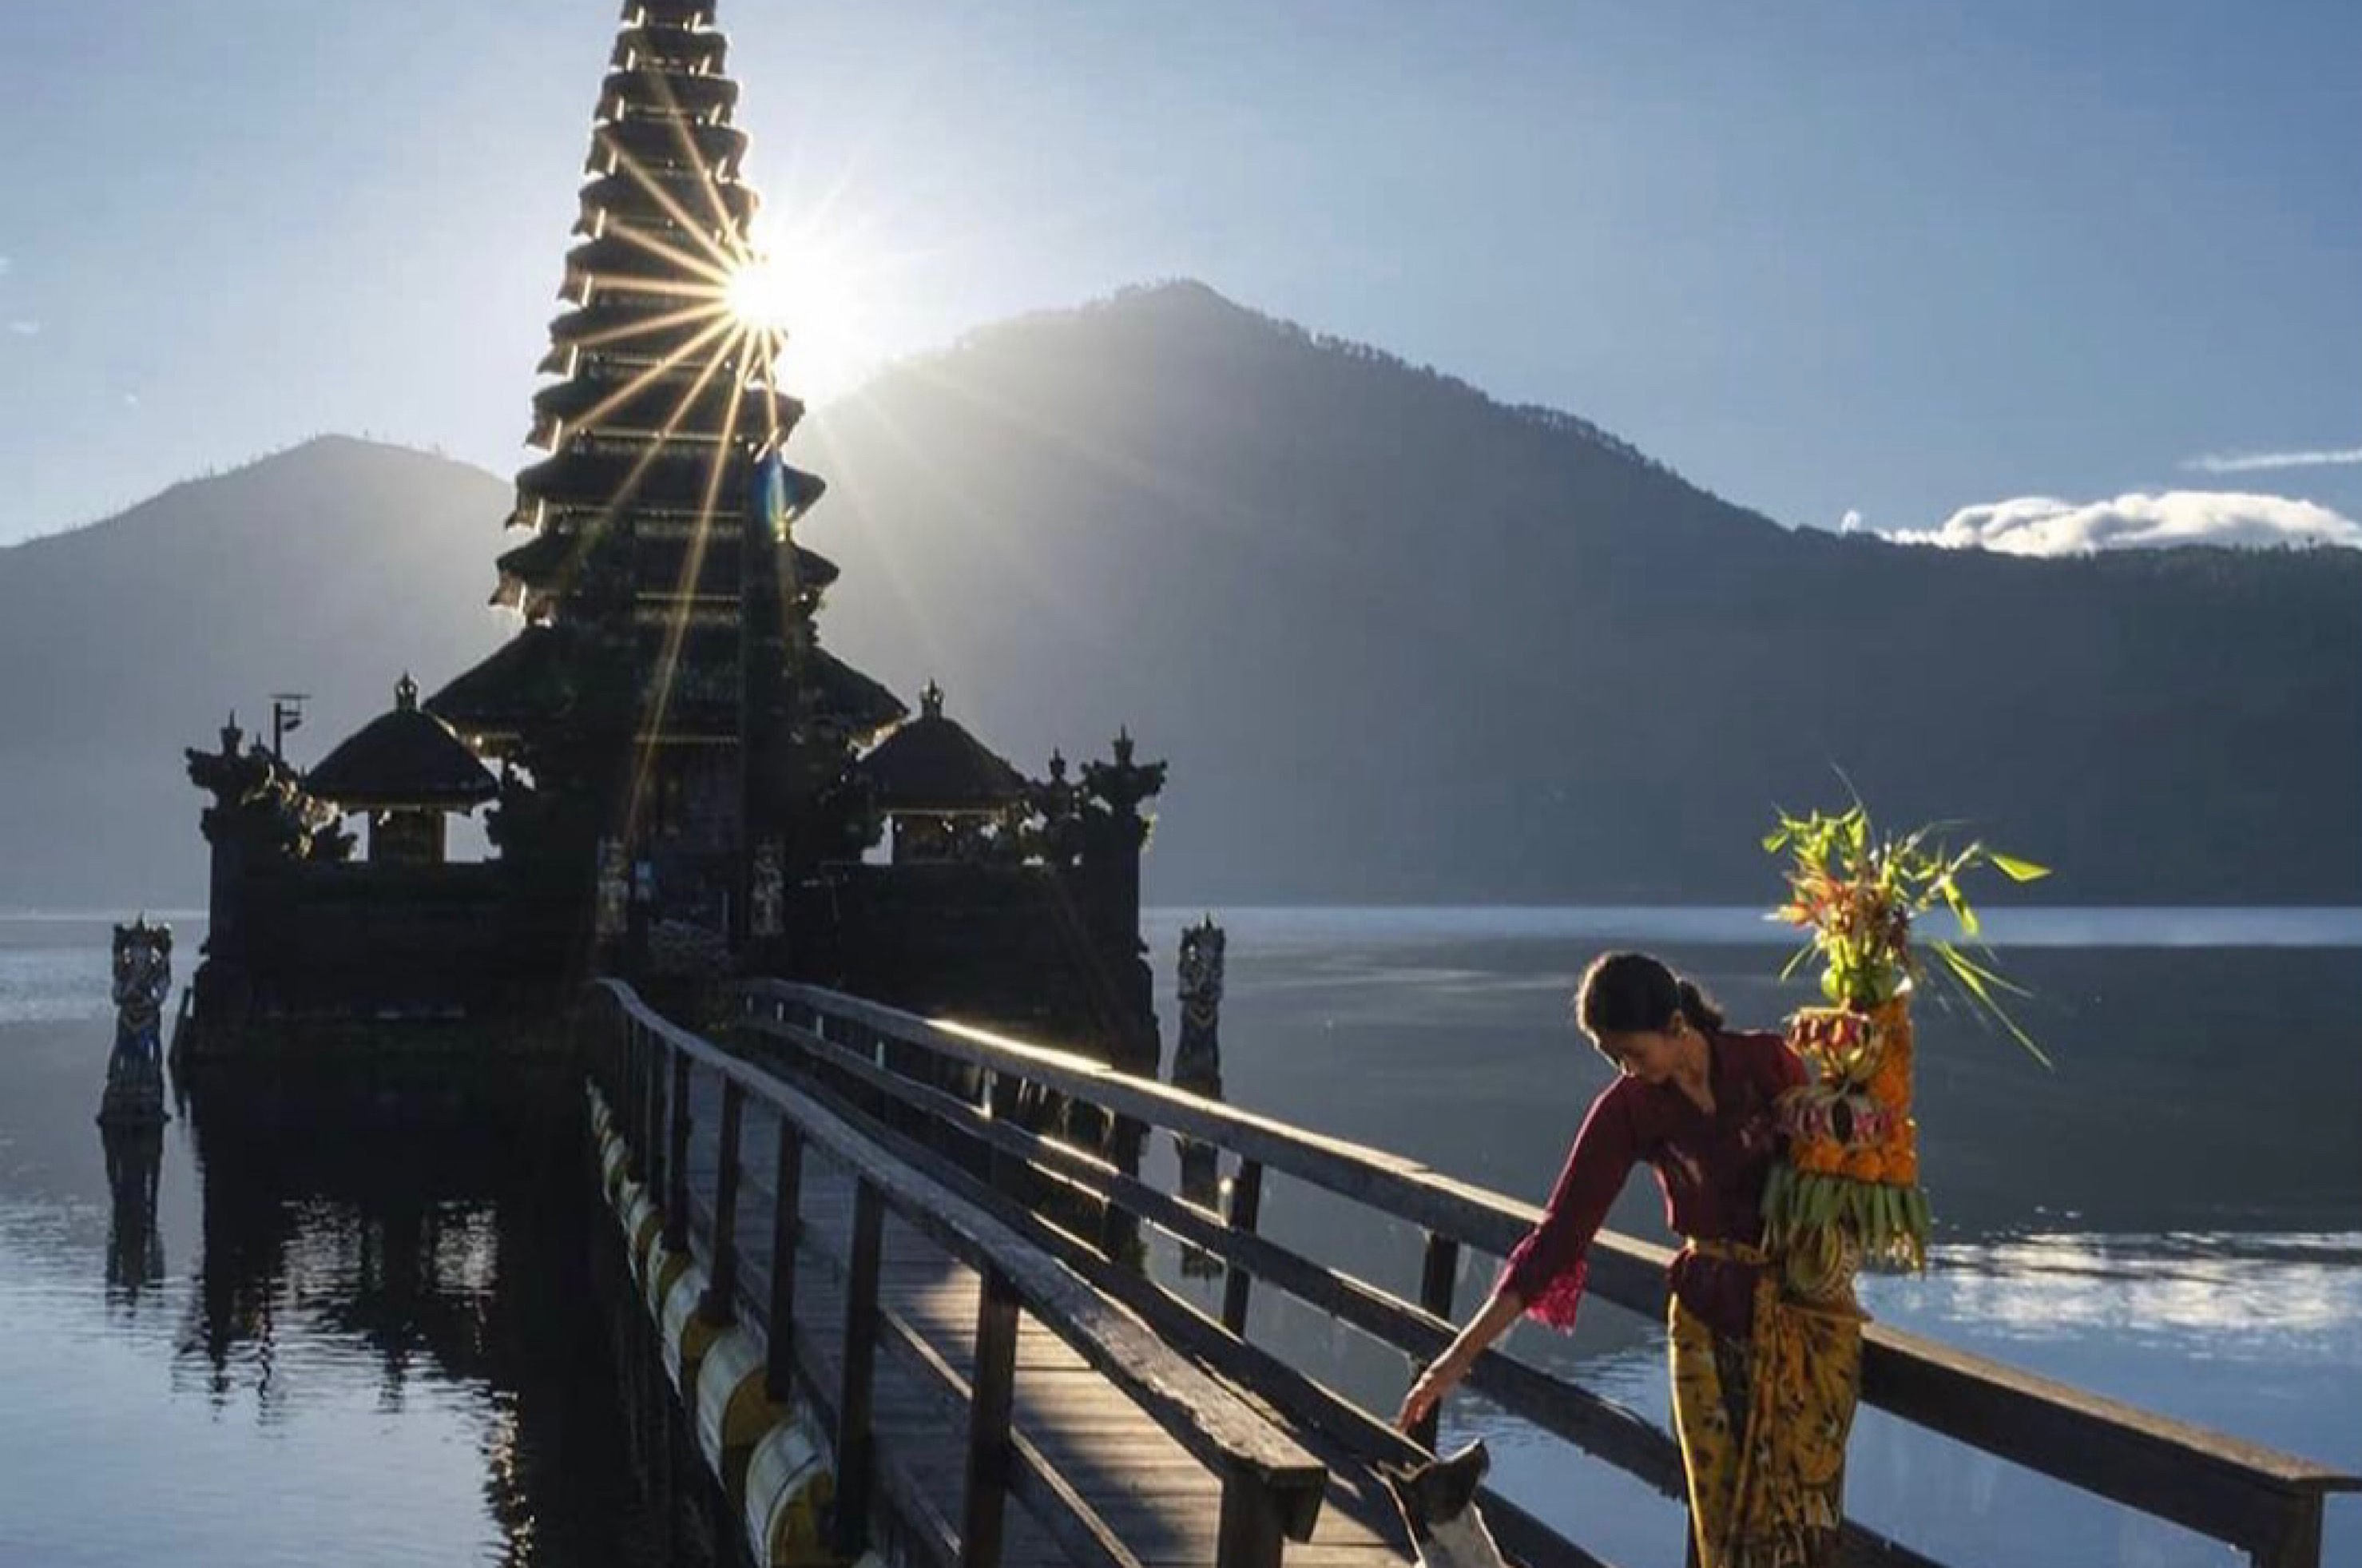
1003 1170
855 1457
721 1303
1246 1205
787 1229
1439 1272
675 1220
1249 1535
993 1395
1119 1227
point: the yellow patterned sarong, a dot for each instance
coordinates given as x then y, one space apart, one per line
1763 1426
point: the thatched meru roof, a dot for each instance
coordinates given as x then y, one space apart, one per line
659 144
678 482
669 13
853 702
523 679
404 759
651 199
549 559
651 89
671 43
933 764
605 395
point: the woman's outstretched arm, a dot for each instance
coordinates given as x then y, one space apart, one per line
1443 1374
1545 1271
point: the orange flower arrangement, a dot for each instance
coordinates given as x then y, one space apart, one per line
1849 1186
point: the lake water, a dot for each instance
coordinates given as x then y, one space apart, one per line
319 1343
350 1337
2172 1217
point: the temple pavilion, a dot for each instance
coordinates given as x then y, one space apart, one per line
943 794
410 772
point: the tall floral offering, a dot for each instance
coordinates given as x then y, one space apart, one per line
1847 1194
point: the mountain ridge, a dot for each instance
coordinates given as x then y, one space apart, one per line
1402 642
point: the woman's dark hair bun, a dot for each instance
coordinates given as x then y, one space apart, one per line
1698 1007
1625 992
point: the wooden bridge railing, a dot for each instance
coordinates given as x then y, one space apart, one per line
2265 1504
1271 1487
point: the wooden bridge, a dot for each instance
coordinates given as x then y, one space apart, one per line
948 1286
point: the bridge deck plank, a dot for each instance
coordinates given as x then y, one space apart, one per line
1157 1498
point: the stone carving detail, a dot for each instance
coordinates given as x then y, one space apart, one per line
769 896
260 805
1198 1055
1057 838
1197 1067
143 982
613 913
1114 793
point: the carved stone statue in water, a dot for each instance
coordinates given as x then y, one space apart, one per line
143 982
1198 1054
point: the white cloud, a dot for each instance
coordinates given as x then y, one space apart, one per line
2042 525
2253 462
1851 521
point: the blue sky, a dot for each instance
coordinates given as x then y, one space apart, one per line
1894 258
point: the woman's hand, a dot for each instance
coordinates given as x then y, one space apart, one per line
1441 1375
1438 1378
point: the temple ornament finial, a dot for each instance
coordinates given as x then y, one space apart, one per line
930 702
405 693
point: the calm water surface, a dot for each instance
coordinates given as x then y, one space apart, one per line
351 1339
2173 1216
357 1336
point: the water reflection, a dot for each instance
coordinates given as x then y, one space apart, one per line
307 1311
379 1239
415 1237
135 1176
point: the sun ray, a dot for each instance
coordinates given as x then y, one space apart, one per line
679 215
692 569
628 486
632 389
706 181
770 342
717 275
641 329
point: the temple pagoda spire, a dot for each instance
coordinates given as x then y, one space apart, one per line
624 687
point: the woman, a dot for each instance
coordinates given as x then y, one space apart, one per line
1763 1389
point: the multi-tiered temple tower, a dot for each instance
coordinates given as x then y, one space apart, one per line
689 780
625 700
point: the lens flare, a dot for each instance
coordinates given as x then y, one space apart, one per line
803 296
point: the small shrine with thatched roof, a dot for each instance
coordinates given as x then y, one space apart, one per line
409 771
945 795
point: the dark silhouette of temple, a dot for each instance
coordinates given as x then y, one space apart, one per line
690 786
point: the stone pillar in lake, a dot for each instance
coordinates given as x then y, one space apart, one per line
1198 1053
143 982
1197 1067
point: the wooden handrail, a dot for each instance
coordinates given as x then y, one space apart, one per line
2264 1501
1253 1456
